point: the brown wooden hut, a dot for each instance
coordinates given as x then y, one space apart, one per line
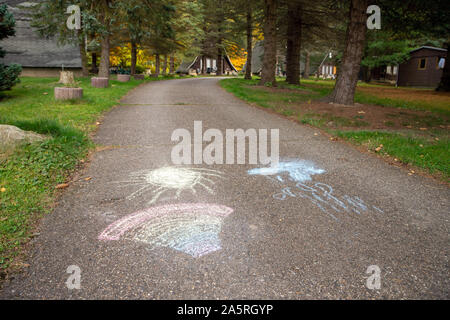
423 69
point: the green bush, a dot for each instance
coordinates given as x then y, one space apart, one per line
140 69
9 75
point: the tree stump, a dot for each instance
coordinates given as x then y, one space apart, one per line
97 82
66 77
123 77
65 93
139 76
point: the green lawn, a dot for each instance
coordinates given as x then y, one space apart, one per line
29 175
428 151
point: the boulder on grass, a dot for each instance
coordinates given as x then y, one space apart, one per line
67 93
98 82
11 137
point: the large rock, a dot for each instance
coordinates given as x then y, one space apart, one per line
11 137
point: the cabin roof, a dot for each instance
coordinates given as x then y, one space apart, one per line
28 49
186 65
429 48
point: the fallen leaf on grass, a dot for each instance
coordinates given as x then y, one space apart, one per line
62 186
423 129
378 149
3 190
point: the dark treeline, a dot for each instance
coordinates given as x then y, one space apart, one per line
299 30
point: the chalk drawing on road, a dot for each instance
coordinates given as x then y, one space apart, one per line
319 194
170 179
298 170
190 228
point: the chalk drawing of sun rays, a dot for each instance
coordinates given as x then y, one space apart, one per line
190 228
298 170
168 180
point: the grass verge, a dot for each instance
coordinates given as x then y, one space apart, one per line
28 175
413 138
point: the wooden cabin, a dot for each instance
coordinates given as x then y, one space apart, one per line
206 65
39 57
327 70
424 68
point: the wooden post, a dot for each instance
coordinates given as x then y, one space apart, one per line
98 82
64 93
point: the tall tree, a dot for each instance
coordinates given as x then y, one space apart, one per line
136 15
344 90
157 64
270 43
294 38
249 35
105 13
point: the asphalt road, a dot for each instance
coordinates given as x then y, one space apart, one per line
142 228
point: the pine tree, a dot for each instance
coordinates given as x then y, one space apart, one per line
9 75
270 43
344 90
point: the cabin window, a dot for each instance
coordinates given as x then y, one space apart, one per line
422 64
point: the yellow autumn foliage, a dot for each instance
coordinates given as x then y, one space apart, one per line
121 56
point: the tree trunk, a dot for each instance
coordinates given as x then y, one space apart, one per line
157 65
307 64
204 65
104 59
172 65
270 43
94 63
219 62
344 91
133 57
164 72
248 68
294 38
84 58
105 42
445 80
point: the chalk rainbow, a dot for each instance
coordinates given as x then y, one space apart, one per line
190 228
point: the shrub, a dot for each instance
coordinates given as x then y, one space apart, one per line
9 75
